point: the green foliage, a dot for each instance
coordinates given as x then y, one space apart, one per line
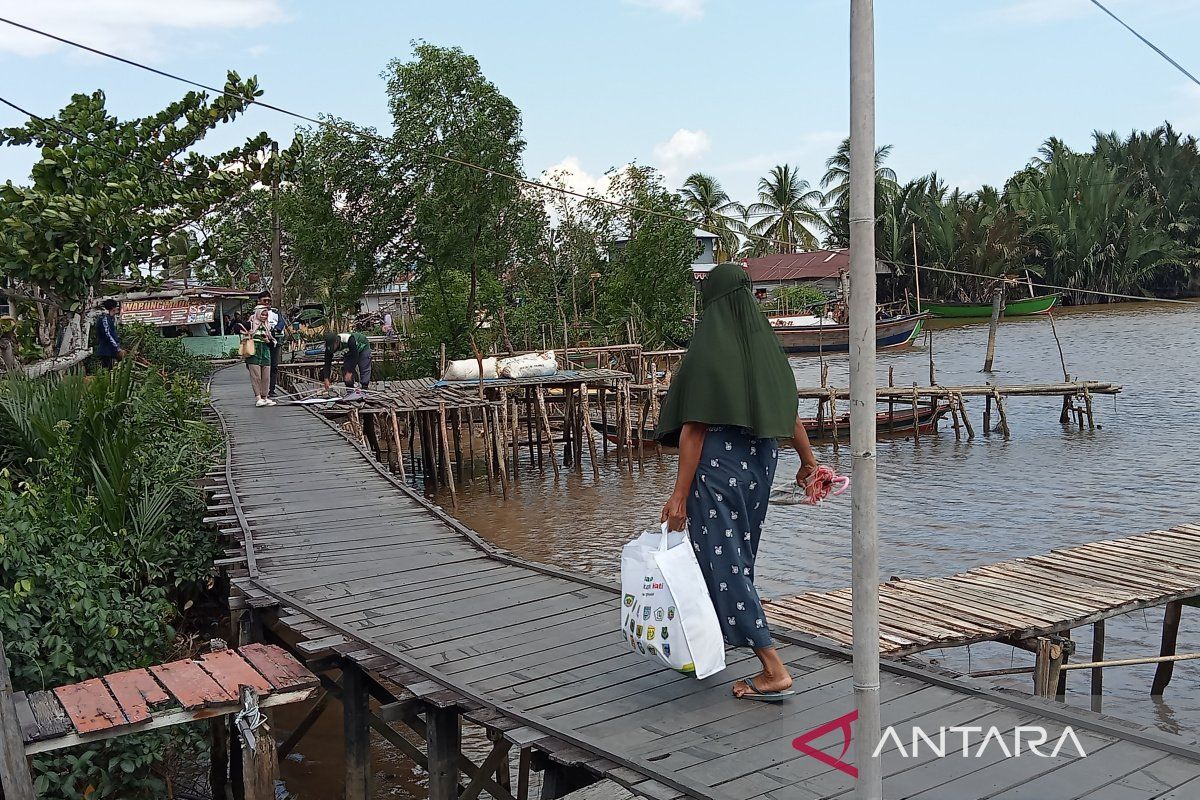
147 342
100 544
801 299
105 191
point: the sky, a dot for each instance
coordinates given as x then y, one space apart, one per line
966 88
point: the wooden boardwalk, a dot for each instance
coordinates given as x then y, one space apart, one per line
359 565
1015 600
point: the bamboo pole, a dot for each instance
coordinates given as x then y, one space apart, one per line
515 421
603 398
1087 400
997 308
1095 666
471 439
954 419
545 420
962 409
396 442
445 438
833 419
500 446
591 436
487 447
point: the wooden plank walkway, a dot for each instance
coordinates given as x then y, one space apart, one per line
166 694
367 567
1018 599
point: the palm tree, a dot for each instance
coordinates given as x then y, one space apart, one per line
837 198
710 208
790 210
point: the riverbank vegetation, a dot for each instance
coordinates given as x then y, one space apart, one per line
1122 218
102 550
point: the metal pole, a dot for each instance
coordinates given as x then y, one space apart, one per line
864 525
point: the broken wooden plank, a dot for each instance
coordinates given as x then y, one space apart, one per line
136 692
191 685
90 706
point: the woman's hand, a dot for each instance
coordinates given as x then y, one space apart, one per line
674 513
805 474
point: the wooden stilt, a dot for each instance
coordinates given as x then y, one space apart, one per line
568 426
487 448
356 733
1000 409
1060 687
962 410
501 448
987 415
304 726
916 410
396 443
953 419
445 439
545 420
1064 417
591 436
443 736
1097 673
833 418
260 763
1170 634
534 454
1047 667
523 774
1087 404
456 432
603 398
514 417
218 758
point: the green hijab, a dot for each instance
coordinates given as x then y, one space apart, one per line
734 373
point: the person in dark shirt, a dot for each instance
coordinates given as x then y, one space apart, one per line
357 358
108 340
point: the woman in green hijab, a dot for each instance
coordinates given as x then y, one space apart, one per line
733 397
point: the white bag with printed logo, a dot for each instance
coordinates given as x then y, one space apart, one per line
666 612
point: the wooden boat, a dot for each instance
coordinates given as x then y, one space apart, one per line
898 422
889 333
1012 308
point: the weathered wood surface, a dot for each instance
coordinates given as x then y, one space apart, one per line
392 578
1018 599
166 694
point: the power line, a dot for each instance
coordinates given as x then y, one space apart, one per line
982 277
1147 42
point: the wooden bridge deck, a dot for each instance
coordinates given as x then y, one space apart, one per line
1018 599
361 564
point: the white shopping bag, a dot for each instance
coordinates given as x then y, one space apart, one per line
666 612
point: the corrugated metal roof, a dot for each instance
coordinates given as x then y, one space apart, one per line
811 265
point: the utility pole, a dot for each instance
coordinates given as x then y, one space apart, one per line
276 266
863 519
916 268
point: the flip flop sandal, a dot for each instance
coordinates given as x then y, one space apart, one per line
765 697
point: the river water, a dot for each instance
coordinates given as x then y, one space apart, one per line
946 505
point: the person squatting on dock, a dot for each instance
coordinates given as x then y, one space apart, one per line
356 361
732 398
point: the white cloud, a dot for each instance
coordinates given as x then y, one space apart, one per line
684 9
134 28
684 145
570 174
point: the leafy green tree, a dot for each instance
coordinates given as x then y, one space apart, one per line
836 182
105 192
790 209
447 115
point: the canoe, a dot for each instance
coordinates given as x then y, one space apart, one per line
1012 308
836 338
898 422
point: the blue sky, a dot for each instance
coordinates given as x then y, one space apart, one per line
969 88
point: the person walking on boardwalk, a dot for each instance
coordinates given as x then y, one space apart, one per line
108 339
356 361
732 399
278 326
259 363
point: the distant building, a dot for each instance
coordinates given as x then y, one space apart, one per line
393 298
822 269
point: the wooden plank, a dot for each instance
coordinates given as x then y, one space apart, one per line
51 718
191 686
280 669
232 671
16 782
90 706
25 719
137 692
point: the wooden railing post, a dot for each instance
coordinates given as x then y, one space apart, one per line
15 778
356 733
1170 633
443 738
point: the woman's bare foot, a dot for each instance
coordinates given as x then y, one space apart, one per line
773 678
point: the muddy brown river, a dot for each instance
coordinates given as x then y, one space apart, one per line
944 505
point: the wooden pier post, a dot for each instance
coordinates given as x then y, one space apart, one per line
954 419
1087 402
602 397
260 764
987 414
545 420
1000 410
591 435
962 410
356 733
1047 667
445 439
515 422
833 420
443 737
396 443
500 444
1097 672
1170 634
997 306
916 406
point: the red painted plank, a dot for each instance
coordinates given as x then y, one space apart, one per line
231 671
90 706
137 692
191 685
283 671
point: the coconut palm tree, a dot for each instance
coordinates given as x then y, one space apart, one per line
790 209
710 208
837 196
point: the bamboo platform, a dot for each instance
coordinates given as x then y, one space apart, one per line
1015 600
387 597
